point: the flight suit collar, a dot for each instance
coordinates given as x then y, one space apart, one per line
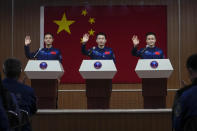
100 48
151 48
48 49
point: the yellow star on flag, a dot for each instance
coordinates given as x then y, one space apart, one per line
64 24
91 20
91 32
84 12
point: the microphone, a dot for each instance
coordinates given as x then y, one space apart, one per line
37 52
147 46
92 50
144 49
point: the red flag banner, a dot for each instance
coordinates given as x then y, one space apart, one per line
120 23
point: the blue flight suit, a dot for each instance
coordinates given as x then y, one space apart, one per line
185 107
97 53
148 53
43 54
4 123
25 96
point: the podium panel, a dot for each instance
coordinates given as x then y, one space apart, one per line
44 69
106 71
154 74
44 75
144 69
98 75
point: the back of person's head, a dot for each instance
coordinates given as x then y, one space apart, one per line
12 68
192 62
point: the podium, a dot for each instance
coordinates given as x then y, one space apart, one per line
98 75
44 75
154 74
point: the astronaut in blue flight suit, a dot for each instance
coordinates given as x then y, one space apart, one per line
47 53
100 52
184 113
151 51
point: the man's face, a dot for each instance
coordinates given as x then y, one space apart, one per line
150 40
48 39
101 40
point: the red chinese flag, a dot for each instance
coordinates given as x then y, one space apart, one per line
120 23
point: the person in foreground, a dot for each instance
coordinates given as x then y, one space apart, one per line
25 96
184 113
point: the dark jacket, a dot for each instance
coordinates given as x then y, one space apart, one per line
4 123
25 96
184 113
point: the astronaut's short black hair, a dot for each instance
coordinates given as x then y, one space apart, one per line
150 33
101 33
48 33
